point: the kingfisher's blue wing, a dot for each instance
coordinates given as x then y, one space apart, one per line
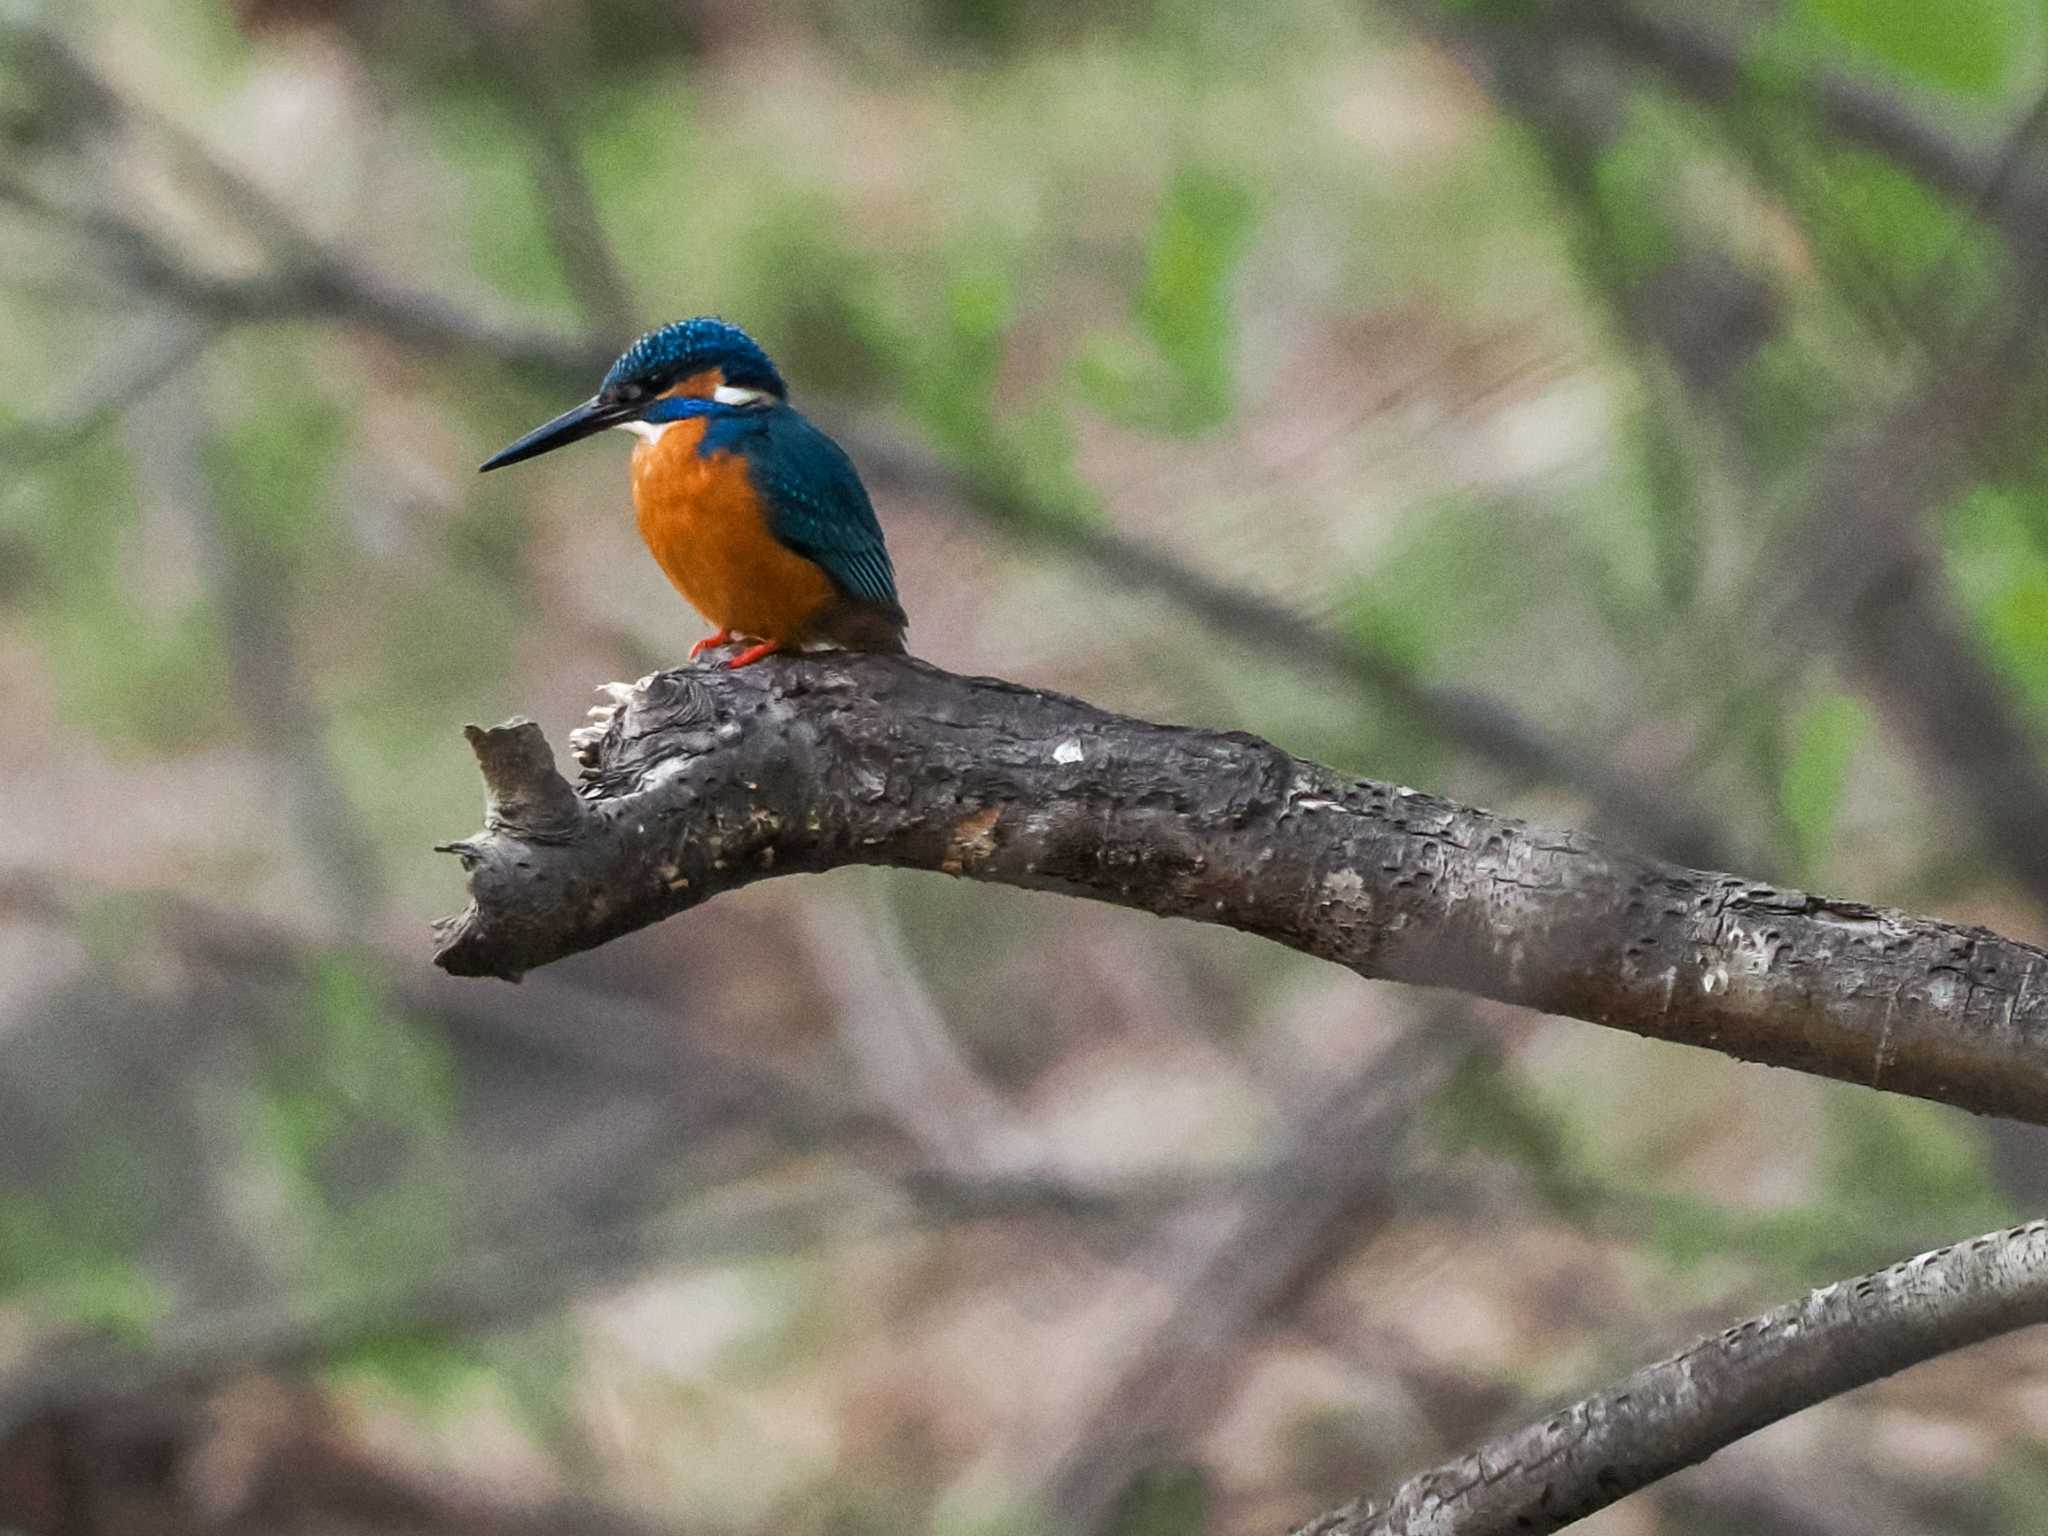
817 505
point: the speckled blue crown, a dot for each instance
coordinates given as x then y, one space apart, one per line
676 351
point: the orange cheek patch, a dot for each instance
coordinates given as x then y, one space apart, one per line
698 385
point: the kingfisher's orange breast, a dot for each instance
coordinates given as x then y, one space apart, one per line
708 531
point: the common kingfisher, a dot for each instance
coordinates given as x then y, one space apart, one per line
759 518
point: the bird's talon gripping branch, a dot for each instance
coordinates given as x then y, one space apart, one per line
711 642
752 654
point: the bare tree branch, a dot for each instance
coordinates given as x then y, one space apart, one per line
1667 1416
705 780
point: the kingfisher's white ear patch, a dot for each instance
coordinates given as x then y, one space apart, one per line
732 394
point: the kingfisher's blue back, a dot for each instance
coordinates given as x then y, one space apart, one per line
816 503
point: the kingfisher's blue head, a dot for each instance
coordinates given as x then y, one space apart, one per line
703 358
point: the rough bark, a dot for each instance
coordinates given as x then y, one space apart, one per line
1670 1415
703 780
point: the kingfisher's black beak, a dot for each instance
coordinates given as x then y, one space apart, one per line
587 419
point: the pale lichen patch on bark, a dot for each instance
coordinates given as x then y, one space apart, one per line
1346 887
970 840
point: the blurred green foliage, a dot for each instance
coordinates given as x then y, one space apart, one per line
502 225
1631 182
1162 1500
431 1368
358 1124
1966 46
528 1370
1898 1175
143 678
1180 378
354 1116
1823 742
2019 1490
1999 560
73 1258
272 468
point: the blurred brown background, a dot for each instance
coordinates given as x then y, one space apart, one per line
1629 418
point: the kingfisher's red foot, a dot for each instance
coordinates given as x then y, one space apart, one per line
754 653
711 643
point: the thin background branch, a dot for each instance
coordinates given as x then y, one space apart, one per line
1584 1457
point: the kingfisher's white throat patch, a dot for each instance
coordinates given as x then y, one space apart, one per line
651 430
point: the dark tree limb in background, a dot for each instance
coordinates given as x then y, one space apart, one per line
1668 1416
704 780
